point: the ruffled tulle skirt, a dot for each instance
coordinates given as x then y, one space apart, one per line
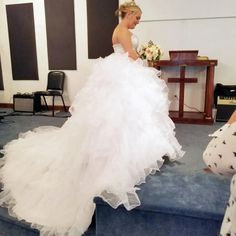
118 133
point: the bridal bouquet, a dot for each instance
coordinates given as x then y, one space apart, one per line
150 51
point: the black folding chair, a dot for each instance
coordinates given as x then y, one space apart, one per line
55 87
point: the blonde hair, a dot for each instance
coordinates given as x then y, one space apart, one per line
127 7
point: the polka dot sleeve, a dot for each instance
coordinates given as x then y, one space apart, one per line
220 154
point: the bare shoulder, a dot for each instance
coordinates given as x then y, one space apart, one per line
119 33
123 31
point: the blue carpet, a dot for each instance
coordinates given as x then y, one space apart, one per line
181 199
173 203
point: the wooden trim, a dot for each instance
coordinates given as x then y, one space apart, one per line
186 80
181 116
185 63
190 117
6 105
57 107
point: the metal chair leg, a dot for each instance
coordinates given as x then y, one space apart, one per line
63 103
53 98
45 102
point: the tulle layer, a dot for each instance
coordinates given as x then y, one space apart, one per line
117 135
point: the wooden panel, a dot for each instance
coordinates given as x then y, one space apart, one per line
185 63
101 23
190 118
60 25
186 80
209 88
20 19
1 78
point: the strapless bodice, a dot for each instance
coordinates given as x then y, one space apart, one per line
118 47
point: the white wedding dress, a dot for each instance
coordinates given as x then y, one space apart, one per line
117 135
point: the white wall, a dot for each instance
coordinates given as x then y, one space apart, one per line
208 26
74 80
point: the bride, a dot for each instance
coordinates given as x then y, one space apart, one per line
117 135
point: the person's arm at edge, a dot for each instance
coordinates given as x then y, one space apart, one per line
232 119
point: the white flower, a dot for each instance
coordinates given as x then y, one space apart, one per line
150 51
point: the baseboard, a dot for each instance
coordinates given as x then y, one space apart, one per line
57 107
6 105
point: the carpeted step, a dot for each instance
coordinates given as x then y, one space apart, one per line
172 204
9 226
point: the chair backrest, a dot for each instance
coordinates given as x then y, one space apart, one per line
56 80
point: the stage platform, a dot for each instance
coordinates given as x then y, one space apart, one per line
180 200
173 203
